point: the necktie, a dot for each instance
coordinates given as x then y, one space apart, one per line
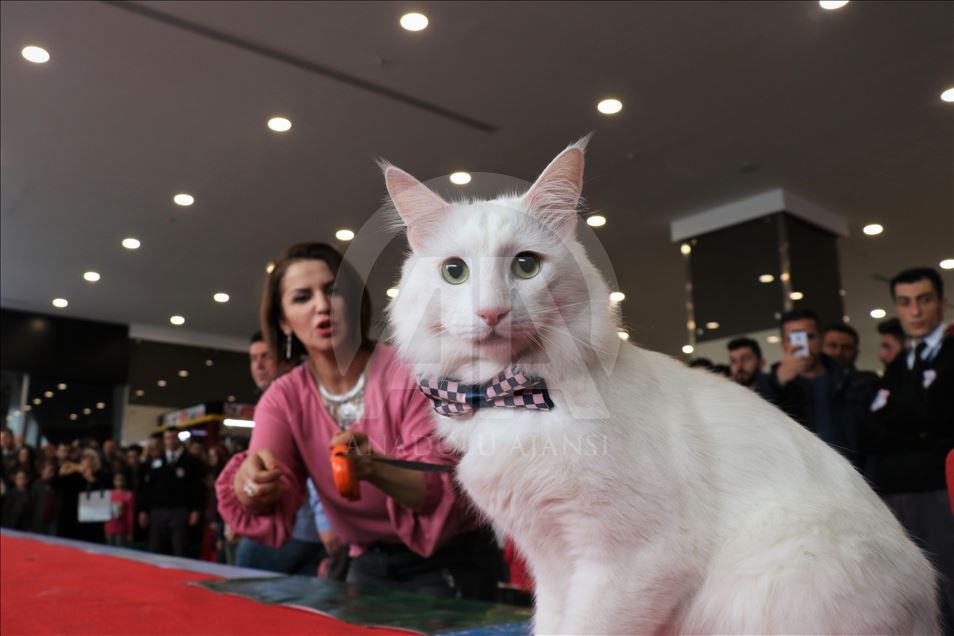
919 362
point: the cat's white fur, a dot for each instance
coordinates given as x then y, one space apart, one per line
653 498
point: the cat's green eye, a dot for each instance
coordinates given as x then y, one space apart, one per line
455 271
526 265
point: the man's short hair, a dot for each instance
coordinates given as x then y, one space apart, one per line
891 327
741 343
723 370
799 314
841 327
916 274
701 363
257 337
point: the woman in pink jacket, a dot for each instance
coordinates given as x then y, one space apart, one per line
410 529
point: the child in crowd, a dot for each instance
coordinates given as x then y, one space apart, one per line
119 529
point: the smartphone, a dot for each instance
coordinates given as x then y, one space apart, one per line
798 340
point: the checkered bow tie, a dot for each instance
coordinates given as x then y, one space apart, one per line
510 389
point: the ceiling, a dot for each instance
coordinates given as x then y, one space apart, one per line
141 101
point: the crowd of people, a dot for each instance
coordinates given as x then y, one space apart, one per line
275 505
43 488
896 427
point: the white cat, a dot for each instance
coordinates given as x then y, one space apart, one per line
652 498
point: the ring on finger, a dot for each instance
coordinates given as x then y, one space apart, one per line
250 489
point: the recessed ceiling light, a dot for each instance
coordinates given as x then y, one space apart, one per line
161 383
183 199
344 235
178 321
687 349
414 21
878 313
220 297
140 393
35 54
460 178
74 417
48 394
91 276
183 373
131 243
831 5
279 124
230 398
392 292
100 405
27 407
270 268
766 278
873 230
87 411
947 263
596 220
60 302
796 295
785 276
686 249
948 95
37 401
622 335
691 325
773 339
209 363
712 325
617 296
609 106
61 386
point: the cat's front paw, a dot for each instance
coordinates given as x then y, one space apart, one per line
545 625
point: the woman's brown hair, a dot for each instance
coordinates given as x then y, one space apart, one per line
347 283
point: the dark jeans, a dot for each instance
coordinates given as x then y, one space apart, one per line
168 526
467 566
295 557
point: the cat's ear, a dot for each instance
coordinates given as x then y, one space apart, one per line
419 207
555 195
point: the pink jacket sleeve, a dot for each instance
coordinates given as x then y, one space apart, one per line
274 527
443 513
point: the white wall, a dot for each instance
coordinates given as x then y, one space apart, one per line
141 422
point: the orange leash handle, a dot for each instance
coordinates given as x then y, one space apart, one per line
343 470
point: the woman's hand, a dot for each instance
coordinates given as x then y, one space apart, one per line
256 483
405 486
360 446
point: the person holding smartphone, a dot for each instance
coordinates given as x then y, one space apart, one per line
827 399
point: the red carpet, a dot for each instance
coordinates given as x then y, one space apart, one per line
49 589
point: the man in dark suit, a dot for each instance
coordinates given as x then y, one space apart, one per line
172 496
912 424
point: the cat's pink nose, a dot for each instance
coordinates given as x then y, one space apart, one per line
493 315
